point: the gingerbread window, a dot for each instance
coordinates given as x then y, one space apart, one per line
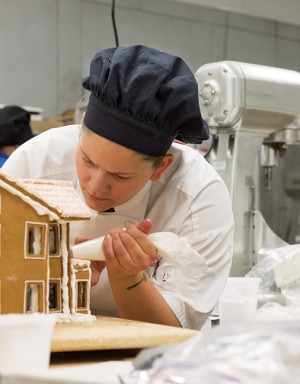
54 240
54 295
35 240
33 296
82 298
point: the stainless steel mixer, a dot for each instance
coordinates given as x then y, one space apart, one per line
254 115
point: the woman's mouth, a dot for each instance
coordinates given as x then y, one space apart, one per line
103 202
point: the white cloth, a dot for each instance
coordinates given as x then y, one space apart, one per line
190 200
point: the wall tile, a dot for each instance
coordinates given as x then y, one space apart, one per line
251 47
28 37
250 23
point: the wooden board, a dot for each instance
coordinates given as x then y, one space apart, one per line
107 333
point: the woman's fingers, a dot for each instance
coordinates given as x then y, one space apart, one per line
129 251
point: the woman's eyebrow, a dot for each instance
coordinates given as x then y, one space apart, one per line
120 173
86 156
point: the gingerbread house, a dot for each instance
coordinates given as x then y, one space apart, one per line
37 273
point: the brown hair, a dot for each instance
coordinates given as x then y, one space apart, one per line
155 160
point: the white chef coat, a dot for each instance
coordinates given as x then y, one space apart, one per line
190 200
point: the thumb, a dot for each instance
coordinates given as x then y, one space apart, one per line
145 226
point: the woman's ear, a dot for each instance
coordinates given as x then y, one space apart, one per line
166 162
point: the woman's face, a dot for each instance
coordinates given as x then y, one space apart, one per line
109 174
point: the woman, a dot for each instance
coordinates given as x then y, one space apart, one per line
136 179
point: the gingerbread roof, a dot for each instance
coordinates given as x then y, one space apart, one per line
53 197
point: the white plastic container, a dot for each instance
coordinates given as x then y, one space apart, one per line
238 302
25 342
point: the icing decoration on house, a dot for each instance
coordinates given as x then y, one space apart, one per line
37 273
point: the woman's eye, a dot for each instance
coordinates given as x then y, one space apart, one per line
87 161
121 178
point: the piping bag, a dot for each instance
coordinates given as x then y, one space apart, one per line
166 243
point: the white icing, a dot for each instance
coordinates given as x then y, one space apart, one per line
48 278
39 208
89 292
64 284
66 202
58 194
56 239
74 318
42 283
73 288
26 253
11 277
84 266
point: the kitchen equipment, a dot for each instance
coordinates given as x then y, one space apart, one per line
254 115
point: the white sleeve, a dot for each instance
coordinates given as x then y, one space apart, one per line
205 221
18 165
192 292
49 155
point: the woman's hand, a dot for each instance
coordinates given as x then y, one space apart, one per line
129 250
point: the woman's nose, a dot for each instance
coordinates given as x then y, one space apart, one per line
98 183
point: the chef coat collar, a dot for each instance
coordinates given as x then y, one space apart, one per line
135 207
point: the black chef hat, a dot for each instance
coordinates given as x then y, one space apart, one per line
143 99
14 126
